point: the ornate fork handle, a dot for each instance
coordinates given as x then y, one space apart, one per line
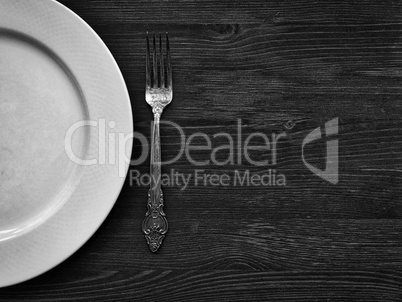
155 224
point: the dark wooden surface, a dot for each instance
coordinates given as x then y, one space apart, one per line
271 64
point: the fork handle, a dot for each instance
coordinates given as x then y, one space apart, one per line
155 224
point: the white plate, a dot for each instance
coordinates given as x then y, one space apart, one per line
55 72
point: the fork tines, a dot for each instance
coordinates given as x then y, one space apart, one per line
158 77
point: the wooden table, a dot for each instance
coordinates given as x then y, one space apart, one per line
283 67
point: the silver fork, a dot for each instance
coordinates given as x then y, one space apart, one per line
158 94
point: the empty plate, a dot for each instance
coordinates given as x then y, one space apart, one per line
66 136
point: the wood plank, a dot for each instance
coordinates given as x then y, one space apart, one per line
214 241
148 285
226 11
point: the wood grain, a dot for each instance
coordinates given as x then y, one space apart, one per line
279 67
222 285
